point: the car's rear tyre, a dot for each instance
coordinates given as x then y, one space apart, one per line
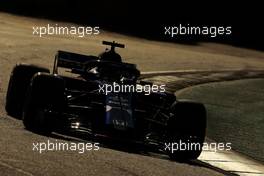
45 97
17 87
186 131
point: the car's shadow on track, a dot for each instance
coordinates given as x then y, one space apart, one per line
130 147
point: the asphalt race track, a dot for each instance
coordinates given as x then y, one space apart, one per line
17 44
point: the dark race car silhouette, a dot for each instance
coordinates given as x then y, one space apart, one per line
52 102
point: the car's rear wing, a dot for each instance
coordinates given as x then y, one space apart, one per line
70 60
78 63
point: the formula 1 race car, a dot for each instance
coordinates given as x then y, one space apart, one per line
85 101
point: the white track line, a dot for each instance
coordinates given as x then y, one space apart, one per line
233 162
18 170
190 71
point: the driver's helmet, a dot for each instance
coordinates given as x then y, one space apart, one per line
111 56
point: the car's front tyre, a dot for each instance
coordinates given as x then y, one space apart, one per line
186 130
45 96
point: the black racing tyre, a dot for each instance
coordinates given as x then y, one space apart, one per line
186 131
17 87
45 96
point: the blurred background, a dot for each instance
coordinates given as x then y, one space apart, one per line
147 19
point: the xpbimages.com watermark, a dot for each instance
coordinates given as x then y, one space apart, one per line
187 29
80 147
123 88
192 146
78 31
